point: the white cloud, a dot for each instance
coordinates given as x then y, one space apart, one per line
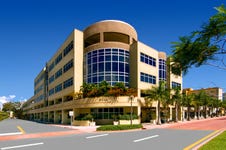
5 99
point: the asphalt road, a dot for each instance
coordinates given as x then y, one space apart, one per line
158 139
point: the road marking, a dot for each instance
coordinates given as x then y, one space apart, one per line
150 137
13 133
90 137
21 129
20 146
201 140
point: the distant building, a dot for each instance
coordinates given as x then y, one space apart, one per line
224 96
214 92
105 51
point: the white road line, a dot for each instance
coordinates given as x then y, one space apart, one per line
90 137
20 146
13 133
150 137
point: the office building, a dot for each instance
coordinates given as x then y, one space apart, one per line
109 51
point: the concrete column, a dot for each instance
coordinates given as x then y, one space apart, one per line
182 113
139 113
171 113
156 111
65 118
101 37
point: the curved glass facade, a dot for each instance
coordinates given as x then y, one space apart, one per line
162 70
110 64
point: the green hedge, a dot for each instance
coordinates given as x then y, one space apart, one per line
3 115
127 117
118 127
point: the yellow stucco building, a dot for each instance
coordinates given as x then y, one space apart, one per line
109 51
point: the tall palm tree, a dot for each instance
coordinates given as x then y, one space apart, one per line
177 99
159 94
205 99
187 102
198 102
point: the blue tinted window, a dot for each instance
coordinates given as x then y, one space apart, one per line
101 67
115 58
108 66
108 58
147 59
101 58
147 78
114 66
101 78
121 58
121 67
121 78
94 68
94 79
94 59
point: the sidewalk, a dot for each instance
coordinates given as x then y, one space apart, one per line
172 124
88 129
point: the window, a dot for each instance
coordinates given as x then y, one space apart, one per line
51 79
147 59
176 85
51 92
162 70
58 88
68 48
58 59
107 64
58 73
68 65
147 78
41 87
106 113
38 99
39 79
51 66
68 83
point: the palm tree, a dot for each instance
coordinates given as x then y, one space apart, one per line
158 94
199 100
187 102
177 99
205 99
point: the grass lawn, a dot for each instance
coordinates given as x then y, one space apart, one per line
118 127
218 143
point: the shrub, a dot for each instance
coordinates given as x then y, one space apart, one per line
84 117
127 117
118 127
3 115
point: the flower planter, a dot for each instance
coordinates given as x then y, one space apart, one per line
81 123
115 122
92 123
135 121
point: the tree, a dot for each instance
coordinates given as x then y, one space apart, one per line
201 46
205 99
200 100
9 106
158 94
15 107
177 99
187 102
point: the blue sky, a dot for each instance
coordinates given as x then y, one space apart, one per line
32 30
